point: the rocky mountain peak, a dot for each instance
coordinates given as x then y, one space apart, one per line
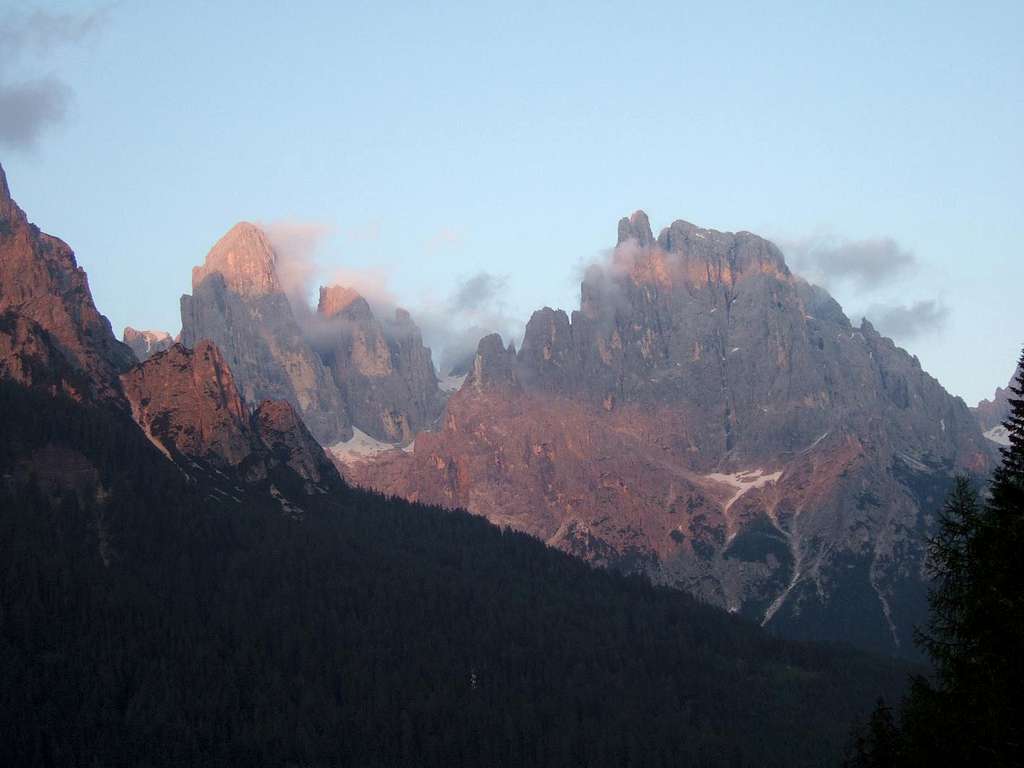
238 303
494 365
336 299
187 403
245 260
636 228
992 413
385 373
710 419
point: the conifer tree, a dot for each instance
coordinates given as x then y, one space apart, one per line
975 633
969 713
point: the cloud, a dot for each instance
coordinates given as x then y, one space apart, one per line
27 109
474 309
42 31
866 264
30 106
478 292
909 321
295 244
451 326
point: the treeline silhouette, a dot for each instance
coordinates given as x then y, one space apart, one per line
145 623
970 711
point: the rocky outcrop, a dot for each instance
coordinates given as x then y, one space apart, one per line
145 344
385 373
992 413
238 303
54 343
713 420
30 356
40 280
494 367
187 404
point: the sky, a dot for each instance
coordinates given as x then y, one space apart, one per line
466 160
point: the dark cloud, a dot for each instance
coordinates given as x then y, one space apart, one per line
478 292
42 31
866 264
27 109
30 106
909 321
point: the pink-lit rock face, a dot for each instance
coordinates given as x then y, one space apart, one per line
40 280
385 373
187 404
238 303
714 421
244 258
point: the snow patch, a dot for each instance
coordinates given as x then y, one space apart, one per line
999 435
744 481
449 384
361 446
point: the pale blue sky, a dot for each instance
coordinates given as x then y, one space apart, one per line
436 141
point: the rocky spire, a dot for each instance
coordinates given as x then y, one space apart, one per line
383 369
238 303
636 228
245 259
494 365
335 299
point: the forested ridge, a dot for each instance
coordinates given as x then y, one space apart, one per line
143 622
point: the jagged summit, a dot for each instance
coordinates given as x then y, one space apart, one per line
385 373
245 259
335 299
238 303
494 365
685 254
636 228
713 420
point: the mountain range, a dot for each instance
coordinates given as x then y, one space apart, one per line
706 417
187 579
710 419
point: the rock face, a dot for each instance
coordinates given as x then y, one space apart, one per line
711 419
30 356
54 342
238 303
385 373
145 344
40 280
188 406
992 413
